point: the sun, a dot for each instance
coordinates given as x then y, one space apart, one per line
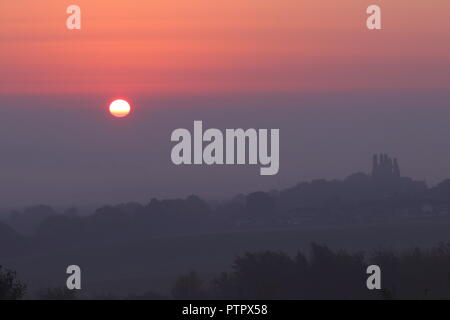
119 108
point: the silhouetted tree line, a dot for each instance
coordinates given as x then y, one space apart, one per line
10 287
323 274
383 195
358 198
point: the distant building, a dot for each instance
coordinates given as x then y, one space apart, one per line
386 175
385 168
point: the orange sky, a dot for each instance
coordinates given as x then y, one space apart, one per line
204 46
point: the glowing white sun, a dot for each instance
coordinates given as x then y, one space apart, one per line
119 108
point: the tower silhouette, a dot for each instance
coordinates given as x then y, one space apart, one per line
385 168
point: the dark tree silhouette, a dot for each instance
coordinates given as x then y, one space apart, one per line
258 276
274 275
188 287
10 287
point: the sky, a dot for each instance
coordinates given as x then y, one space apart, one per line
198 46
337 91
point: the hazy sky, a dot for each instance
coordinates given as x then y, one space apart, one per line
203 46
69 150
337 91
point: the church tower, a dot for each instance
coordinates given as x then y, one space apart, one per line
385 168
